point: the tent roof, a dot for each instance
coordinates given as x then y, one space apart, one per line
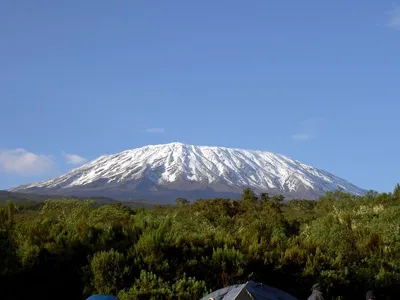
101 297
249 290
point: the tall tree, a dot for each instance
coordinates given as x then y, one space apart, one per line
396 192
182 201
265 197
249 195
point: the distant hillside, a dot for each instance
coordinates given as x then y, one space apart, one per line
17 197
21 197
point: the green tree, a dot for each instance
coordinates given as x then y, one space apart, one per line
189 288
147 286
396 192
278 199
108 270
249 195
228 264
265 197
182 201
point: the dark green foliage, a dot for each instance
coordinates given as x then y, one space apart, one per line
182 201
149 286
72 248
108 270
249 195
396 193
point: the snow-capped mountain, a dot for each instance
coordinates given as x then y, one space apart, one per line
175 169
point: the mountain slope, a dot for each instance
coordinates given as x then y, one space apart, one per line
172 169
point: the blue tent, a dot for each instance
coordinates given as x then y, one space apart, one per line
101 297
249 291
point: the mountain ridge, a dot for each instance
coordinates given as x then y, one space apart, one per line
181 168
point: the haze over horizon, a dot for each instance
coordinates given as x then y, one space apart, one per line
317 82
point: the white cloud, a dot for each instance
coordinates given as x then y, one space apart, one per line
308 129
302 137
74 159
155 130
394 17
21 162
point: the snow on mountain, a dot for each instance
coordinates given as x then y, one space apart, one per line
181 167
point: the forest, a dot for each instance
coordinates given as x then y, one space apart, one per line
70 249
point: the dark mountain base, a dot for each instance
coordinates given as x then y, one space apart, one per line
29 197
158 194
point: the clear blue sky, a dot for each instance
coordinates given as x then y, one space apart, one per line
318 81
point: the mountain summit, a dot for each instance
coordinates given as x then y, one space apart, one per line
178 170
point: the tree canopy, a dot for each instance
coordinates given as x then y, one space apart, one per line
73 248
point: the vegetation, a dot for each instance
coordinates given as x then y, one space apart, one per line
69 249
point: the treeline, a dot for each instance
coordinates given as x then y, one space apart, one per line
69 249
